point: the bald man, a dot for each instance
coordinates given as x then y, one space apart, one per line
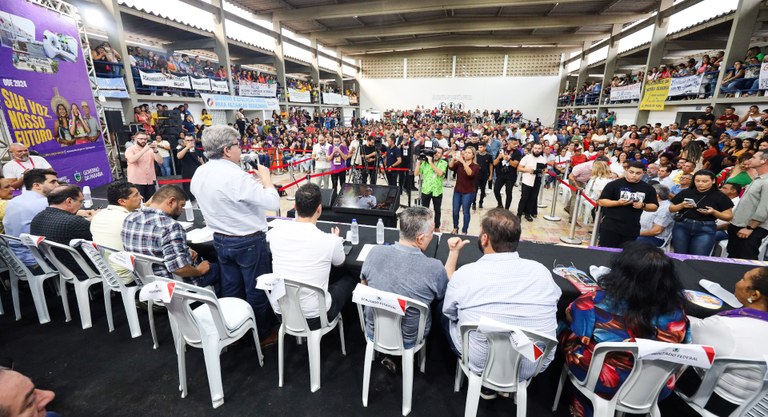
20 397
21 163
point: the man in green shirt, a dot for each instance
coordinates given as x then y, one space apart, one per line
432 172
577 139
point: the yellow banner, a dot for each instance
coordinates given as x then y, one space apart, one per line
655 94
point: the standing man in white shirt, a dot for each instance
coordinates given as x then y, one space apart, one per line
532 166
20 163
320 155
302 252
234 204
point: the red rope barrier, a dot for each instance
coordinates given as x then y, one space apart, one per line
180 181
573 189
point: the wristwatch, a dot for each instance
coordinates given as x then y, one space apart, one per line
748 227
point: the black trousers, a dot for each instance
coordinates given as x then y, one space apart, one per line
528 199
480 183
341 283
392 178
611 238
366 172
748 248
507 183
338 178
437 202
146 190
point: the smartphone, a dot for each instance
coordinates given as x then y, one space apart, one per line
689 201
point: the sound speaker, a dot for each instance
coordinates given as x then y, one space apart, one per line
328 197
114 120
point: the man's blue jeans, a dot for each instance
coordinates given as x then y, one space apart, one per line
462 201
694 237
241 261
165 168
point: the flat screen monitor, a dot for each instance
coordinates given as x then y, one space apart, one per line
365 198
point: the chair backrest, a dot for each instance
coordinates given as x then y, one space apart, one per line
180 309
713 375
143 271
640 391
95 254
15 265
387 326
502 365
290 304
39 258
46 247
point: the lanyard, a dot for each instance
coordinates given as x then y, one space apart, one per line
32 161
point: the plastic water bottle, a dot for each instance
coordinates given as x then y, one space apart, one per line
87 202
355 232
189 212
380 232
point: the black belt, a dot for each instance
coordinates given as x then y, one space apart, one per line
249 235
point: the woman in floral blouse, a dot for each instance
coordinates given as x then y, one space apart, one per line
640 298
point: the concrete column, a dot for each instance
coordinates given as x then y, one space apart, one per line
315 71
742 28
279 57
339 74
655 52
582 78
610 64
116 38
221 48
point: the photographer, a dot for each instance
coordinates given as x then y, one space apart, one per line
532 166
432 171
505 166
369 156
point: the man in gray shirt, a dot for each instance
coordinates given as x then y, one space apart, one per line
749 225
404 270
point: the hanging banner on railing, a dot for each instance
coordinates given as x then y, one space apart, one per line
344 101
656 93
180 81
112 87
298 96
251 89
219 85
764 76
331 98
155 79
685 86
626 92
227 102
45 93
201 83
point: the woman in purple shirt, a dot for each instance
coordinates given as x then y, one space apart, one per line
338 156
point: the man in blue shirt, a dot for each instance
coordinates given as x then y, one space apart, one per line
38 183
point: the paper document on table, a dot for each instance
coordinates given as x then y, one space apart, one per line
364 252
200 235
186 225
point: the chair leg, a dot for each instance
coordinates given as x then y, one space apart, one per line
560 384
521 397
15 297
313 345
151 317
280 354
408 358
108 307
473 395
129 302
423 359
38 296
367 370
181 359
258 346
83 303
459 377
341 336
64 299
603 408
213 368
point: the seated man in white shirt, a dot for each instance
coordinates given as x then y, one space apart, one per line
302 252
500 286
21 163
656 226
107 224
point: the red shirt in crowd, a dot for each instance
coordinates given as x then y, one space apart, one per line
579 158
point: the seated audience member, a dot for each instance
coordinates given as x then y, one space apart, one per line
739 333
403 269
20 163
640 298
60 223
302 252
486 288
656 226
107 224
685 183
19 396
732 191
20 210
664 178
153 231
6 193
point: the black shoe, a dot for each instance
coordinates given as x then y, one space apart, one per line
528 217
499 206
474 207
488 394
481 204
535 215
390 365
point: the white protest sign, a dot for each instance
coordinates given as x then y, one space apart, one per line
273 285
700 356
124 259
388 301
764 76
33 240
519 340
157 291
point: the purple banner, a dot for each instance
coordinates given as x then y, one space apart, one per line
45 94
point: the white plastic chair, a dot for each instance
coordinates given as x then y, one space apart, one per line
639 394
212 326
112 282
699 399
144 274
19 271
295 324
68 277
761 252
388 339
502 367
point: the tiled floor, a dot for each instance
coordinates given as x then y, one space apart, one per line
539 230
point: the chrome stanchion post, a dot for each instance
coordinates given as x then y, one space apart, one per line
552 216
571 238
292 178
596 226
540 202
